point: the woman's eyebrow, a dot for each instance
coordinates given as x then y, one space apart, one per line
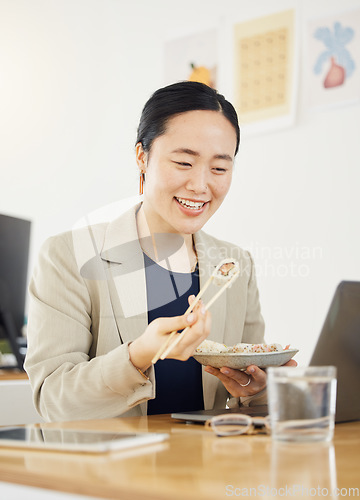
187 151
224 157
195 153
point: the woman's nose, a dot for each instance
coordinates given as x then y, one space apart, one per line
198 180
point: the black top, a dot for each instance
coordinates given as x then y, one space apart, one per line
178 383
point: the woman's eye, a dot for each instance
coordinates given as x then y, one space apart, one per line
220 170
183 163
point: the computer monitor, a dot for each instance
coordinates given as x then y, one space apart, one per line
14 256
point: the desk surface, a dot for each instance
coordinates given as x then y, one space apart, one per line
12 374
193 464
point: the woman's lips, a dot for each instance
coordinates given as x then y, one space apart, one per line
190 207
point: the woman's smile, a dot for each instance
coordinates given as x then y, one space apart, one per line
191 207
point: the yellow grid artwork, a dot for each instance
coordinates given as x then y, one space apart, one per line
263 67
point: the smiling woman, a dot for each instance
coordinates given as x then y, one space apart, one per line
105 298
188 172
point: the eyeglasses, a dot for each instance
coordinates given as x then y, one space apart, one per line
236 424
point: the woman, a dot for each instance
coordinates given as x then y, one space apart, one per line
105 298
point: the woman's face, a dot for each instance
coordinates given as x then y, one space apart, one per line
188 171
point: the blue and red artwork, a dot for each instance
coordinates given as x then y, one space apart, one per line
336 56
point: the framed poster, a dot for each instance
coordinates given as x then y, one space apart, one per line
264 87
333 60
193 58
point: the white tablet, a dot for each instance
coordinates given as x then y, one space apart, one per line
75 440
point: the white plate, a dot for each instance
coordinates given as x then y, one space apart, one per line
242 361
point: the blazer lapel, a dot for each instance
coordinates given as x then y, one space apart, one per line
124 266
208 258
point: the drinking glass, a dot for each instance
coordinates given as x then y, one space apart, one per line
302 402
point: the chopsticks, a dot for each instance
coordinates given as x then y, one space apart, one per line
167 346
160 352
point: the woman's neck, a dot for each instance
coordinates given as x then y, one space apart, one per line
173 251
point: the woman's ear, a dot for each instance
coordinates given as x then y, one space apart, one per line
141 157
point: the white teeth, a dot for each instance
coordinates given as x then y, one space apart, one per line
191 204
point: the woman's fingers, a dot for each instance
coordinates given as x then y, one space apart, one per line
292 362
143 349
193 336
191 299
257 374
197 324
175 323
240 383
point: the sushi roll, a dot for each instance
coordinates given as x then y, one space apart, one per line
225 271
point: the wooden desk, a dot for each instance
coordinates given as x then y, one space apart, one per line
14 374
193 464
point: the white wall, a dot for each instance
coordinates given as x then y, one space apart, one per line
74 75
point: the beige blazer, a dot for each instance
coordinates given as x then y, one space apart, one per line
88 301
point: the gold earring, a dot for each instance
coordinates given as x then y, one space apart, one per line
141 187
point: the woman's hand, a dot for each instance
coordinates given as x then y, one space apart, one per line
240 383
143 349
243 383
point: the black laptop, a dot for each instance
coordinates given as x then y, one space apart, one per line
338 345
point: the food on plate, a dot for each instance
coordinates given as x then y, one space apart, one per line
254 348
209 346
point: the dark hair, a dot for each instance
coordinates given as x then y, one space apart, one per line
179 98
